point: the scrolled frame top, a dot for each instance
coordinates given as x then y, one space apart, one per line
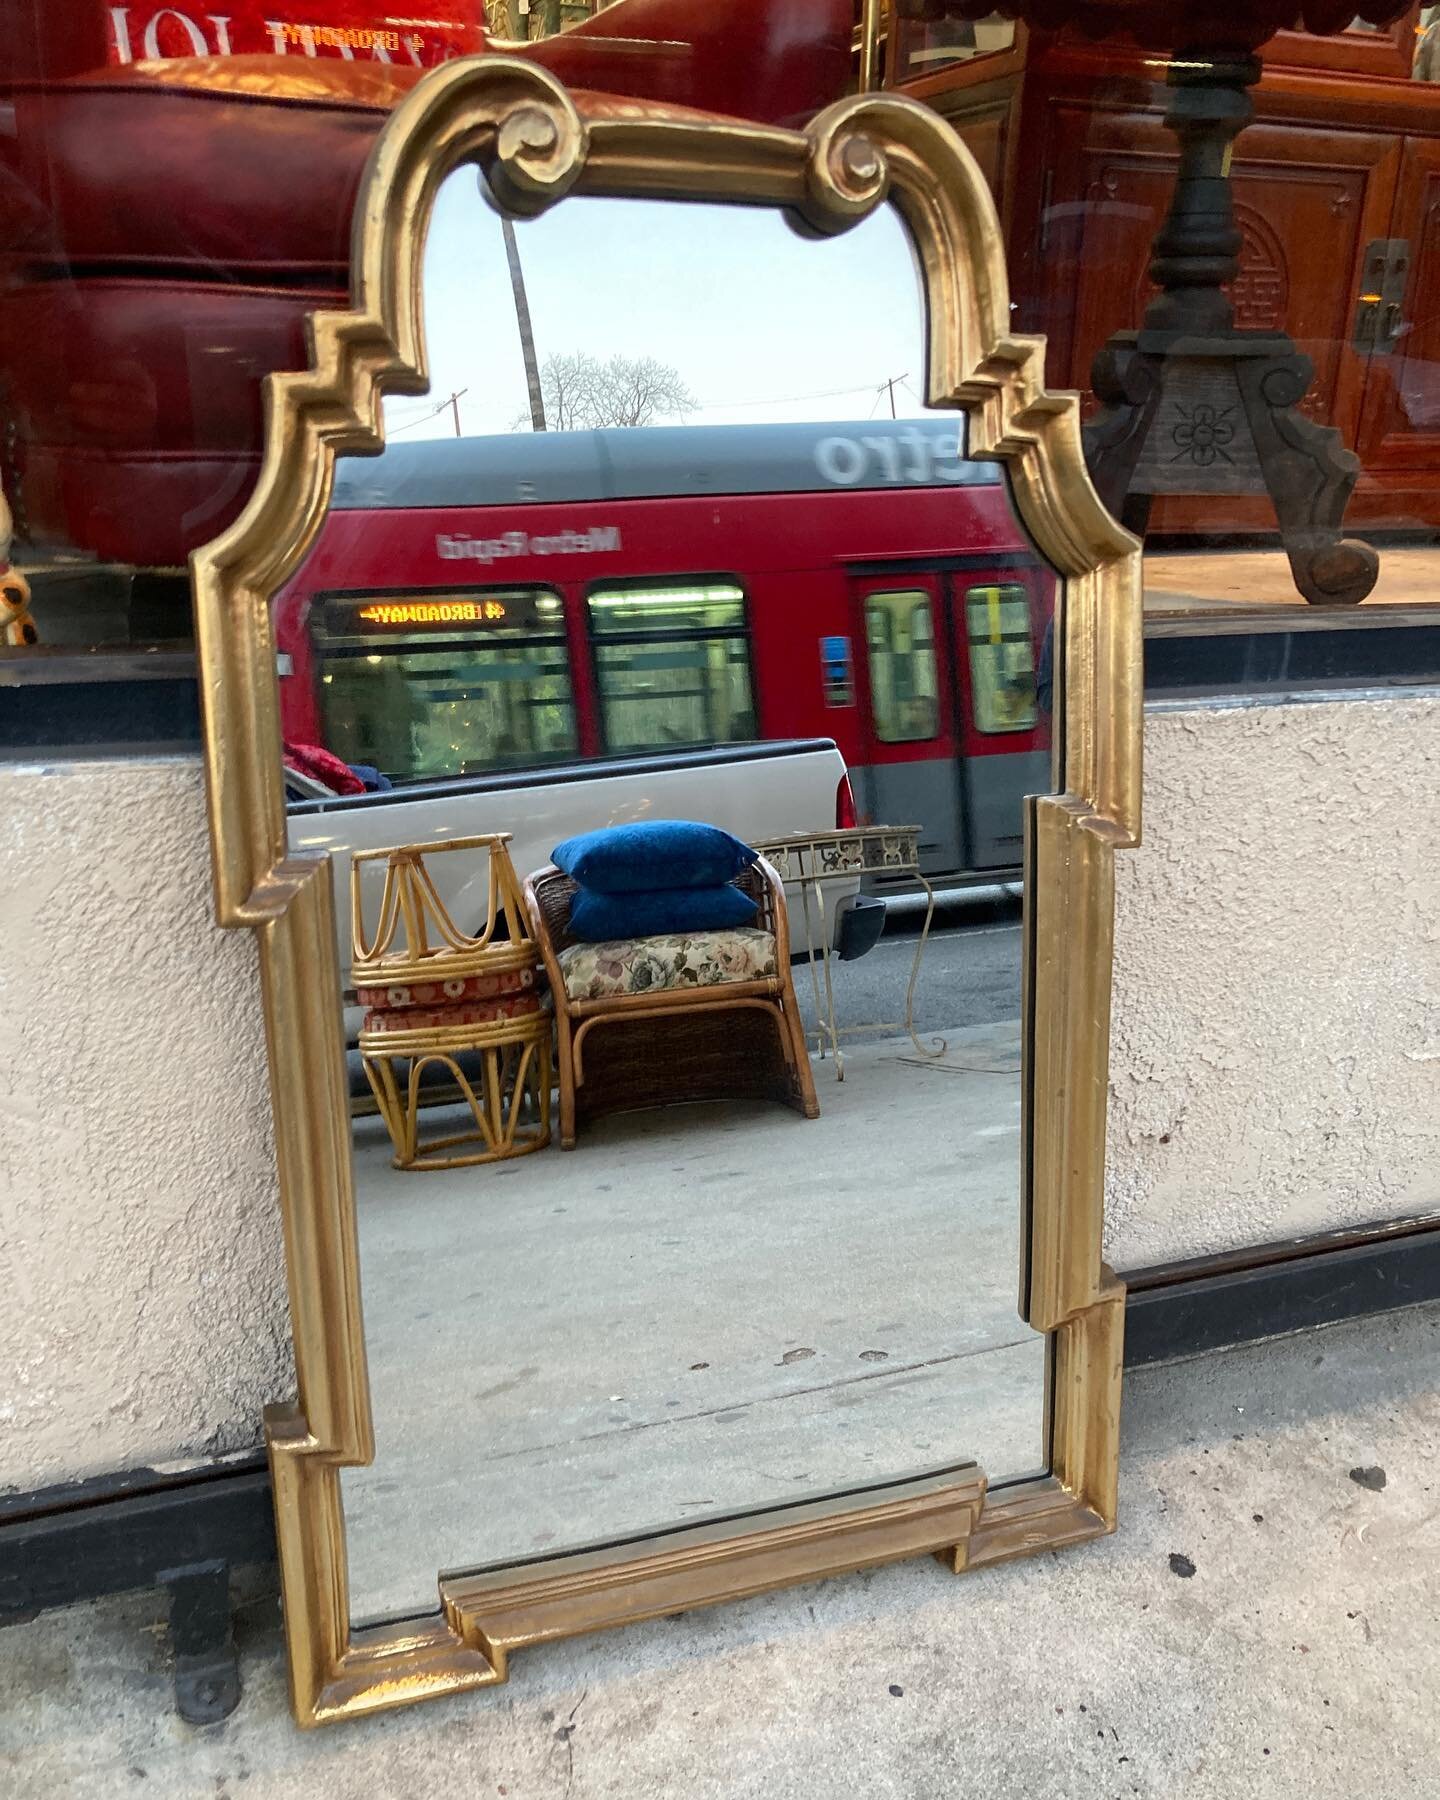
536 143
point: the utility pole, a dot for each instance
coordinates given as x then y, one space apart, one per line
890 384
522 319
454 404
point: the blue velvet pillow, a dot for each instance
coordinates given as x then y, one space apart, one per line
660 853
597 918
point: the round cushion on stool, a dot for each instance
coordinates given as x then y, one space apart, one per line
444 1018
445 993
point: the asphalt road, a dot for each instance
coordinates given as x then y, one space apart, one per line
969 975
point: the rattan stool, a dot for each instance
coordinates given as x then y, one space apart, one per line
434 993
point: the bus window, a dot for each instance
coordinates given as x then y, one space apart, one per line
904 685
672 665
427 686
1002 657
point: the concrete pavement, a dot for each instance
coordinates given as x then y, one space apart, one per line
1300 1658
698 1311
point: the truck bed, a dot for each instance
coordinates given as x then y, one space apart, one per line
756 791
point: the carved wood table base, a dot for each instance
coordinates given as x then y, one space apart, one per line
1191 405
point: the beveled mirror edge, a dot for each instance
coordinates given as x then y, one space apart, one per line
535 146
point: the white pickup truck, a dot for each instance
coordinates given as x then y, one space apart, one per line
756 791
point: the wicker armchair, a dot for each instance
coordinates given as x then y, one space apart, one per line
732 1038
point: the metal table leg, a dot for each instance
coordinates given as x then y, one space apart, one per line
804 881
829 989
940 1044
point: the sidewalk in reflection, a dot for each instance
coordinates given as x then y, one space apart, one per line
698 1311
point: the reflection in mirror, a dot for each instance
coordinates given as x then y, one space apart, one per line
923 47
672 538
1427 45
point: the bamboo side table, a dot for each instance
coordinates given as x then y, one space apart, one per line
811 860
434 993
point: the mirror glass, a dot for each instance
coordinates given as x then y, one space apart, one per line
674 537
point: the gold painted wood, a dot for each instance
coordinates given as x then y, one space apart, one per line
415 939
416 944
725 1560
536 143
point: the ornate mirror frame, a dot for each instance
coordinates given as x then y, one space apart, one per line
536 143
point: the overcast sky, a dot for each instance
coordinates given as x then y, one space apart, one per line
759 322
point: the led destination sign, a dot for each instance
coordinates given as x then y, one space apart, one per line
512 609
433 612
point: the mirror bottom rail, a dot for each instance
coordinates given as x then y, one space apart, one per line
486 1616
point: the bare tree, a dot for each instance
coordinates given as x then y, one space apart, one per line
637 390
582 392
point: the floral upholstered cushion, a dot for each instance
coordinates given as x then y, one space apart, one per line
680 959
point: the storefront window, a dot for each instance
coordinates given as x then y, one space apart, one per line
1427 45
143 302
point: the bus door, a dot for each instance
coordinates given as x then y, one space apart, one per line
995 631
910 774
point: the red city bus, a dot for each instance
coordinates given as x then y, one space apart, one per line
483 604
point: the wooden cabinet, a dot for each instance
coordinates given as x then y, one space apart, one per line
1400 417
1343 157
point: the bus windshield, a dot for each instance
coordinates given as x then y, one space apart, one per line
423 687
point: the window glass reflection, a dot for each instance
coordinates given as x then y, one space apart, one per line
904 684
1427 45
417 708
1002 658
674 667
925 48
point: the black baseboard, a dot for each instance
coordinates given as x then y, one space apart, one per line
1175 1313
130 1531
143 1530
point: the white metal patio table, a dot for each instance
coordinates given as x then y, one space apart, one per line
810 861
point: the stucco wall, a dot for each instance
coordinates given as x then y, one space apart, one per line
1275 1043
1275 1058
142 1301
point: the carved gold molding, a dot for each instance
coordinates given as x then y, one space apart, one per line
536 143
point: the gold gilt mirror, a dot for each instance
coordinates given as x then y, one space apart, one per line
671 468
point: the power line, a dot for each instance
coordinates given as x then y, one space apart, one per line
864 387
410 424
447 404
